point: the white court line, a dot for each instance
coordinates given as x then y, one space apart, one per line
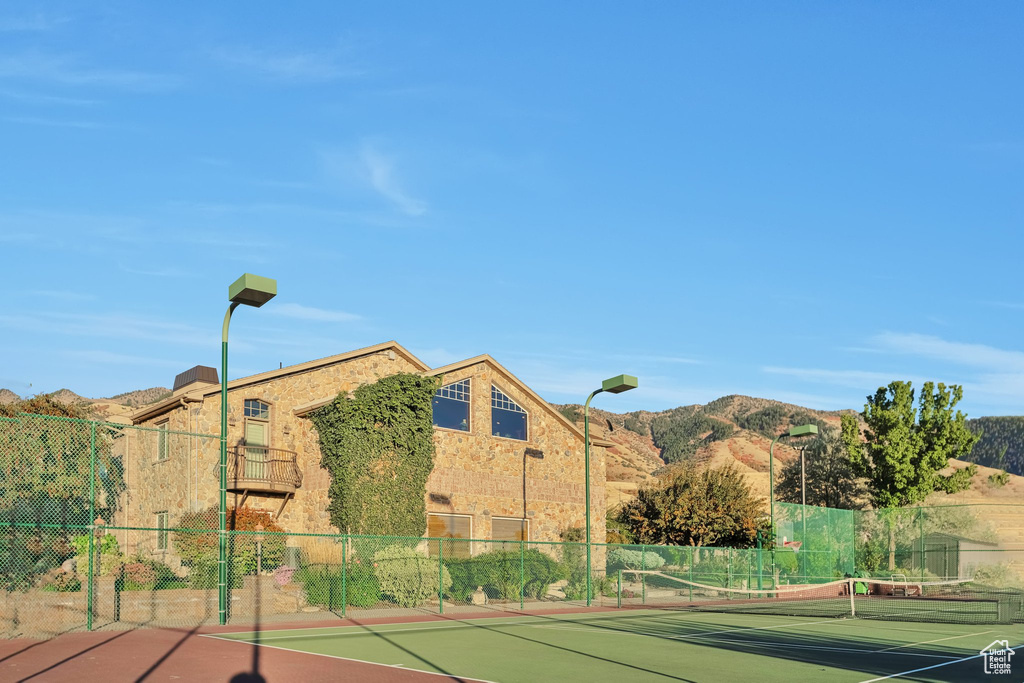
698 636
937 640
926 668
360 661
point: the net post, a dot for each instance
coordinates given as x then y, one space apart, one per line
522 574
850 590
440 577
920 536
618 593
344 576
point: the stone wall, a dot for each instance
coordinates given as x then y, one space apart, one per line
475 474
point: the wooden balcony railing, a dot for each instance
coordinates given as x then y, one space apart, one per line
258 469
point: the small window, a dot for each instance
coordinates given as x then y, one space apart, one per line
162 442
507 418
452 527
161 531
506 529
257 409
451 406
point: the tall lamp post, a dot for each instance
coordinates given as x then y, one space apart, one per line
251 290
615 385
802 430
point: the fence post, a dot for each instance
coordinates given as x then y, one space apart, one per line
618 592
522 573
440 576
643 577
728 568
689 566
92 524
344 576
920 536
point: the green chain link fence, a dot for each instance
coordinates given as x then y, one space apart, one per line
79 549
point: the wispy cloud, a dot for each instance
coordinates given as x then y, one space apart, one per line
855 379
37 98
301 312
37 22
54 123
63 295
66 70
288 67
120 326
380 172
972 355
110 358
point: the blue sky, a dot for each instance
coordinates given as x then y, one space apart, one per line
800 201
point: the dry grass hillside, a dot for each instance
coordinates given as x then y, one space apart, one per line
101 408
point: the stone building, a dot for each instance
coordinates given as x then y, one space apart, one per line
507 465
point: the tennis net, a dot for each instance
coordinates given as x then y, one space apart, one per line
959 602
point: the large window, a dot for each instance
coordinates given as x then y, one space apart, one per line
161 531
162 446
507 418
509 529
451 406
452 527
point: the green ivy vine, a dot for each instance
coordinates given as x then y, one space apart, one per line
378 447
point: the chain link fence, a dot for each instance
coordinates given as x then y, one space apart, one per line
81 547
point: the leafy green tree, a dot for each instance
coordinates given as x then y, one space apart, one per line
830 479
688 507
905 447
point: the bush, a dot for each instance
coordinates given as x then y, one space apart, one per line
144 574
623 558
204 574
106 550
505 573
198 547
60 581
999 479
407 577
326 585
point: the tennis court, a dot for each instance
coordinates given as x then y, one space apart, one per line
650 645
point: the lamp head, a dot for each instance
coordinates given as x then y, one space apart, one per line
804 430
616 385
252 290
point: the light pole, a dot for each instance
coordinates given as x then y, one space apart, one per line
615 385
802 430
251 290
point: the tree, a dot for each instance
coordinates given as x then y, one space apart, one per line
688 507
830 479
905 448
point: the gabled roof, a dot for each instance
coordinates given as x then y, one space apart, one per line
999 646
198 394
485 358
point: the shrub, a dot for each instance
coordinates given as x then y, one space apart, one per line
327 585
197 547
60 581
107 557
624 558
407 577
999 479
505 573
204 574
138 576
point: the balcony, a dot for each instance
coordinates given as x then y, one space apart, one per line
262 470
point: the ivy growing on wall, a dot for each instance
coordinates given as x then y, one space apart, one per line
378 447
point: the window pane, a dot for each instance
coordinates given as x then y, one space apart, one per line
509 424
449 526
509 529
451 414
256 408
162 451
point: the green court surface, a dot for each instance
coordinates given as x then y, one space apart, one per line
657 645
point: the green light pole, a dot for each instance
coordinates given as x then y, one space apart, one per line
615 385
251 290
802 430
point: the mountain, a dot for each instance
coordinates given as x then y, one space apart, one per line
101 408
737 430
1001 444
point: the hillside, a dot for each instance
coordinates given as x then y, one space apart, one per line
101 408
1001 444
